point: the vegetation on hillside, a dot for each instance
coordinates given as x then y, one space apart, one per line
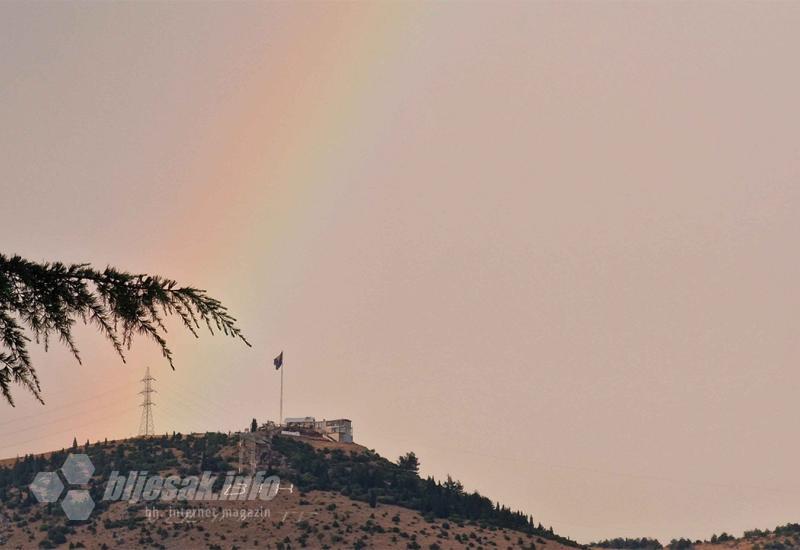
362 476
783 537
625 543
370 478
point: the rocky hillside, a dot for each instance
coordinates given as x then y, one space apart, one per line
784 537
332 495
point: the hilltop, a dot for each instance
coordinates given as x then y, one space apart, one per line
342 495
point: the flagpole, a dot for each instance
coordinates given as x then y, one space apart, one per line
280 420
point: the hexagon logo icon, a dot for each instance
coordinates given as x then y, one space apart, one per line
77 505
77 469
46 487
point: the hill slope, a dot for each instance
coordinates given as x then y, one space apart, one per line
334 495
341 496
784 537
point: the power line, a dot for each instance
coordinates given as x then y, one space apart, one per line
207 406
57 420
590 470
69 404
116 414
202 397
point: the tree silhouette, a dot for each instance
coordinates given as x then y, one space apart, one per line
409 462
49 298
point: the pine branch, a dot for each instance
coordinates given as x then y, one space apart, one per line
49 298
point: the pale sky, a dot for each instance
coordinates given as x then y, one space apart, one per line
550 247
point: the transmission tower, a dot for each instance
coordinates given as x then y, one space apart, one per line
146 424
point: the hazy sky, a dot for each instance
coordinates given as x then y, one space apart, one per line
549 247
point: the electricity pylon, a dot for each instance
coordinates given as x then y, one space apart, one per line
146 424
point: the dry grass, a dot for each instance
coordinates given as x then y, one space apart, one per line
316 520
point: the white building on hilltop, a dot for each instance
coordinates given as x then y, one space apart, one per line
340 429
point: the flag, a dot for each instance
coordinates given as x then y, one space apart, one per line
278 362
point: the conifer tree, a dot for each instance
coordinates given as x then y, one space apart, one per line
409 462
48 299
